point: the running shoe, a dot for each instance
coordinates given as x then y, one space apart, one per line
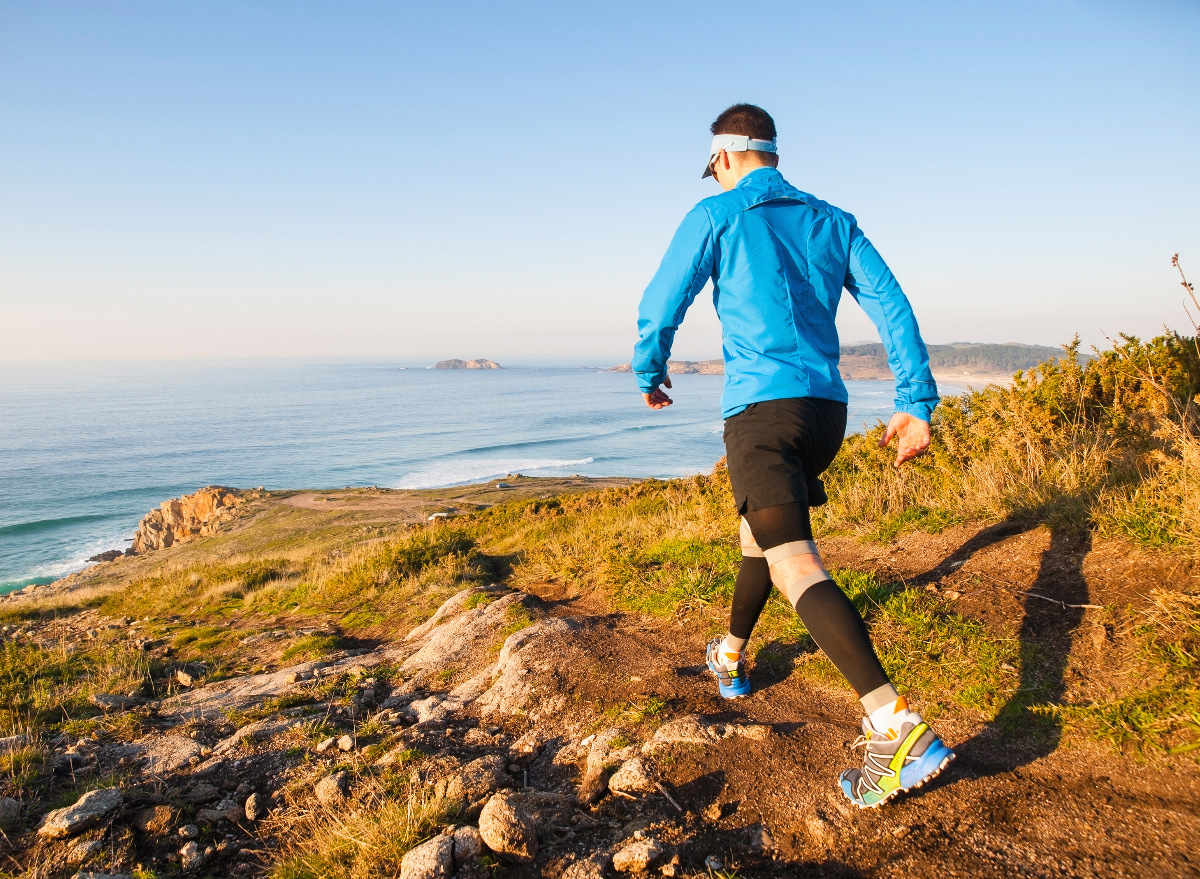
894 765
732 682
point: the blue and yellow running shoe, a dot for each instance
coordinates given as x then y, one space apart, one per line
894 763
732 682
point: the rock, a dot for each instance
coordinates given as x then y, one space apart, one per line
507 829
633 777
471 786
85 849
451 605
258 731
346 743
609 748
10 810
185 518
638 856
762 841
8 744
88 874
202 793
332 790
712 862
433 859
325 745
514 687
190 857
695 730
109 702
453 639
591 867
183 678
189 831
168 753
468 846
154 820
255 808
89 809
107 556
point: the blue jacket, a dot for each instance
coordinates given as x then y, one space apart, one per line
778 259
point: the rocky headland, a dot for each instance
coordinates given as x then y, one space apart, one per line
186 518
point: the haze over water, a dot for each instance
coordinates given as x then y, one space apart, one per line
86 450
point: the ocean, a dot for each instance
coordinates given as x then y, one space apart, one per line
86 450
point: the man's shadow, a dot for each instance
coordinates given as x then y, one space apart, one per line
1017 736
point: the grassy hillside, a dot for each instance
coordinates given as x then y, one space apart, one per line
999 359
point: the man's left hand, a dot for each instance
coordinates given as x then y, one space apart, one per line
913 435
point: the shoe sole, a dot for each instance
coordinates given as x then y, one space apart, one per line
946 761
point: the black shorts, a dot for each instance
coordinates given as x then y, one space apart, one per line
777 450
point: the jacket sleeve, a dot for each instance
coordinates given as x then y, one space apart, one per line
874 287
688 264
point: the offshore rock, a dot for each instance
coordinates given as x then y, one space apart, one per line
467 364
185 518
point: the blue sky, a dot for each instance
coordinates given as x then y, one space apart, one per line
500 180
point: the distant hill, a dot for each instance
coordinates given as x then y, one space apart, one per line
869 361
467 364
866 360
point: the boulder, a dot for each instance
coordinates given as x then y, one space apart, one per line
255 807
507 829
167 753
471 786
10 810
91 808
433 859
608 749
633 777
109 702
638 856
202 793
468 845
332 790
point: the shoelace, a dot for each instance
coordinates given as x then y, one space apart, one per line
880 769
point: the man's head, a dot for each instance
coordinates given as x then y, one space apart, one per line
753 144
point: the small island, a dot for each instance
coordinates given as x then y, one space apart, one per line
467 364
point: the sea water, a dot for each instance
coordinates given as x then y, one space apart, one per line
86 450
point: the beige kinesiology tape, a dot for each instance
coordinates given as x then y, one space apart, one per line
749 547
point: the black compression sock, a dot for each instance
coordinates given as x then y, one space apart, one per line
750 594
838 628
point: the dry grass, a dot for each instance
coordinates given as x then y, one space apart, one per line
389 816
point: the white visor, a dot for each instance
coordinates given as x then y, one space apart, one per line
736 143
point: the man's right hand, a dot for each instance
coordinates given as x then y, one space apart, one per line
658 399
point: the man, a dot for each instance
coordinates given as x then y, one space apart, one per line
778 259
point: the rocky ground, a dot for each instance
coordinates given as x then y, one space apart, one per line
491 706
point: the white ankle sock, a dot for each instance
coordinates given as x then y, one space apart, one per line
892 717
731 650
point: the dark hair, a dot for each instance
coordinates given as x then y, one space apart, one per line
747 120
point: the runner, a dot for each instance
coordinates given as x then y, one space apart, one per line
778 259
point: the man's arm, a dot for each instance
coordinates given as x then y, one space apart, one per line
686 267
874 287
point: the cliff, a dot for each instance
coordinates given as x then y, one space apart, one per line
467 364
185 518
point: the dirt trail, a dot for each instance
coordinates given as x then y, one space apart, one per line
578 691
